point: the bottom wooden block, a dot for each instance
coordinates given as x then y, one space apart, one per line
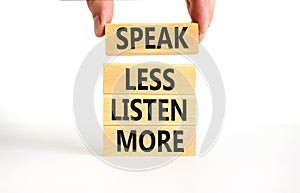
149 140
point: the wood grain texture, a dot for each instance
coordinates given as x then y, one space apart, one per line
184 77
188 144
190 37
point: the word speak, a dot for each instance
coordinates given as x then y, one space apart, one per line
150 39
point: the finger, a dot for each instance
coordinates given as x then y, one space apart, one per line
102 11
211 11
199 12
188 4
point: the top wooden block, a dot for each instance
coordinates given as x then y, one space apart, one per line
151 39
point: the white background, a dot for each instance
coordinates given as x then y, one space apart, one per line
256 47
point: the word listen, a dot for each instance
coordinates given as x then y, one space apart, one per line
151 39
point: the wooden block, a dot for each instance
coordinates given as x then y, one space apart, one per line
149 140
149 110
126 79
151 39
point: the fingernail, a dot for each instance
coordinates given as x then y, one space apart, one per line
96 24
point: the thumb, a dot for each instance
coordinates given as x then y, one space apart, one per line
102 11
199 12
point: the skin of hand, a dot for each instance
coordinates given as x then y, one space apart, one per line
102 11
201 12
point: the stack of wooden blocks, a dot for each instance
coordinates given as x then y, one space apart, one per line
150 109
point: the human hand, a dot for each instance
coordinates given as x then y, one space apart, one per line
102 11
201 12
